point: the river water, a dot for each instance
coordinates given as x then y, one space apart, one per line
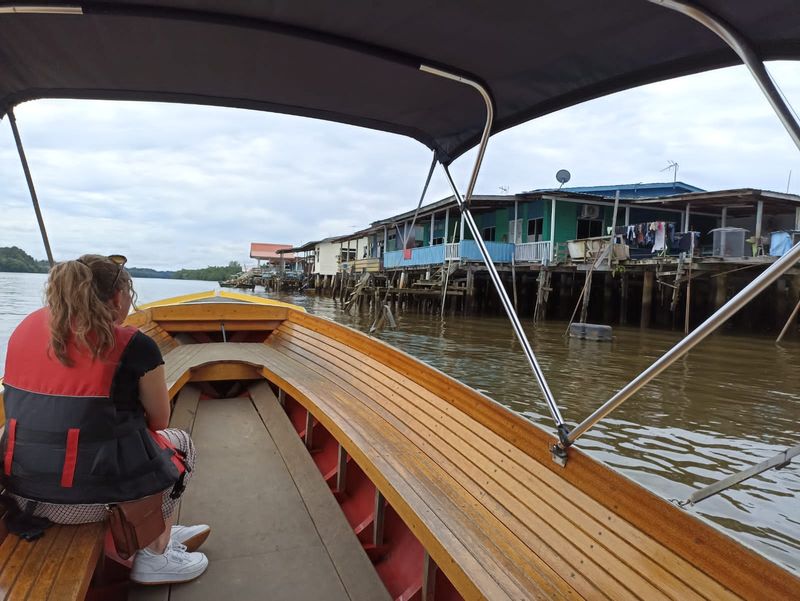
732 403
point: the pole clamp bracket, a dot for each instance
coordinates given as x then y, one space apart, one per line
559 450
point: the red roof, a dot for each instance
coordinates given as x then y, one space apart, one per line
260 250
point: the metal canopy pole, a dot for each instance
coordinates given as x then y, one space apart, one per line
742 47
421 198
463 204
727 310
13 121
739 44
509 307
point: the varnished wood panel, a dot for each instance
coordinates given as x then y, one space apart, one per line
218 312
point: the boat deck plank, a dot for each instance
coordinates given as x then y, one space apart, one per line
267 520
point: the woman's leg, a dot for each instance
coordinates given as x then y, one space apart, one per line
183 442
162 562
160 544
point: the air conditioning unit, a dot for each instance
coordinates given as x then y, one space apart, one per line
590 211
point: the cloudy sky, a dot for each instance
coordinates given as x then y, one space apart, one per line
186 186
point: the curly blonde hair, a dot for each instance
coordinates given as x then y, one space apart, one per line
79 295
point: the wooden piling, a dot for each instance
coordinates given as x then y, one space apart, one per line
608 297
469 304
623 299
720 290
647 298
586 297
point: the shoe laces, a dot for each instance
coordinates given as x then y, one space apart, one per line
177 551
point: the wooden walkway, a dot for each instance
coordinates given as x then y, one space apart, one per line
277 532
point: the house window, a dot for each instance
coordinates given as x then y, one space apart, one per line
488 233
535 227
589 228
438 241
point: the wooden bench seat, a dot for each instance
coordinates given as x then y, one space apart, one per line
56 567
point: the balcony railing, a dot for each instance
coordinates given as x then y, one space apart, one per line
451 252
424 255
532 252
466 250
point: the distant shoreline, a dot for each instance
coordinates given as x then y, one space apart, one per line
15 260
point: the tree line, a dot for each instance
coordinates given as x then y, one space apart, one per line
14 259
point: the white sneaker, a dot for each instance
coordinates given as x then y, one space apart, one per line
190 536
174 565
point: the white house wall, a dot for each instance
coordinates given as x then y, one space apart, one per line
326 263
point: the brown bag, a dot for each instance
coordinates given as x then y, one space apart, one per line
136 524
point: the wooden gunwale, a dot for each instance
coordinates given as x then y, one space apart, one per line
523 489
696 542
419 401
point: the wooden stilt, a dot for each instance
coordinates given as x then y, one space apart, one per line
587 295
792 319
647 298
623 299
720 290
470 297
608 296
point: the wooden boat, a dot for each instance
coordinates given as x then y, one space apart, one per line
441 492
442 488
444 494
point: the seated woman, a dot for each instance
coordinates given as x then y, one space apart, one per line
87 409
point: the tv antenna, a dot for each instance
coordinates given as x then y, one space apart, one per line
563 177
674 166
503 189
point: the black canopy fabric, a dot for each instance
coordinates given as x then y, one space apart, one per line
357 61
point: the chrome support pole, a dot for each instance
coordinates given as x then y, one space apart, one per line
739 44
742 47
727 310
410 230
509 308
486 130
13 121
466 216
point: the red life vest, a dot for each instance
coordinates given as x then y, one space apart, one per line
66 439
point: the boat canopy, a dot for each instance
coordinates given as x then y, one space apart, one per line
358 62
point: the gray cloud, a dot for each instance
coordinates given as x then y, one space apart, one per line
173 185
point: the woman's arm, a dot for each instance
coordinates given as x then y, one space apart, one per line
155 398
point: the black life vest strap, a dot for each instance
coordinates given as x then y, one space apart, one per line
32 435
16 479
22 522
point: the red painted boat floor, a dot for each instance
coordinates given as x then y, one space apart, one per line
277 531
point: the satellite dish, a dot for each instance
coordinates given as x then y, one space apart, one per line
563 176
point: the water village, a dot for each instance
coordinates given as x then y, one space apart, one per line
652 254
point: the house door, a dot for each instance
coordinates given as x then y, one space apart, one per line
515 239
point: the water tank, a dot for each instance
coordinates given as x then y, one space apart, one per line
729 242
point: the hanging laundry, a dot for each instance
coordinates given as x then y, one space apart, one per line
659 237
